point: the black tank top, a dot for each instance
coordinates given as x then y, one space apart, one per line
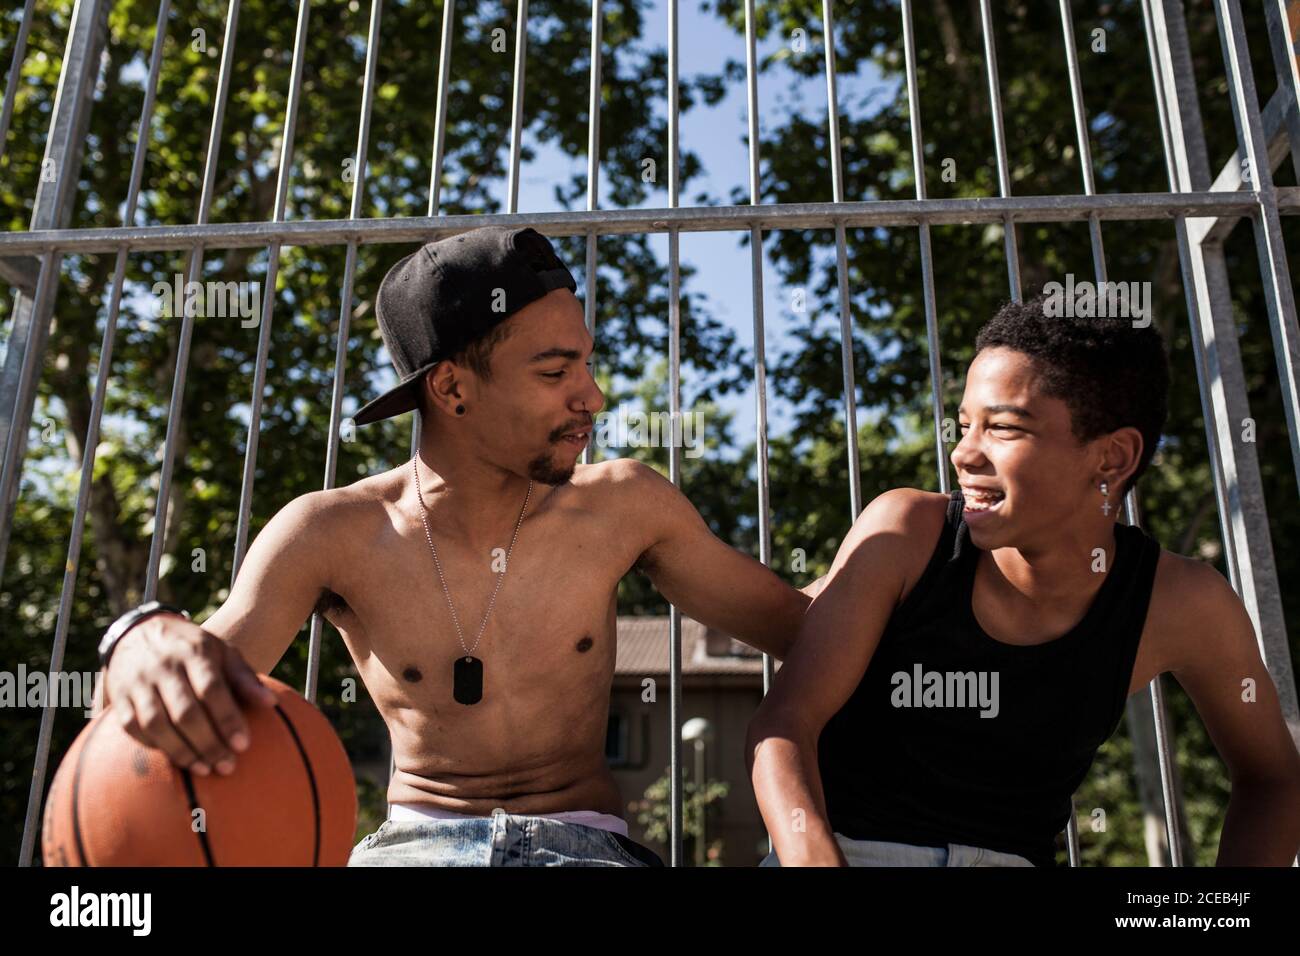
897 767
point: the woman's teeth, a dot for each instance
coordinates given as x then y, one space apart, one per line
982 500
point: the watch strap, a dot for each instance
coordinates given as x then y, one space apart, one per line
123 624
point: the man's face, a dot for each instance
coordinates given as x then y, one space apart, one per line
1024 476
535 415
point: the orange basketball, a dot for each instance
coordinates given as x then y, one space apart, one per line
291 800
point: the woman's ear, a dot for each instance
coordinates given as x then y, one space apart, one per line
1121 454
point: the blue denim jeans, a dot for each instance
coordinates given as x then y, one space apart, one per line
882 853
503 839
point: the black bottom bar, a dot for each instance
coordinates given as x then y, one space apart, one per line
537 909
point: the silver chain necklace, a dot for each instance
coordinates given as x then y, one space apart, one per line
467 672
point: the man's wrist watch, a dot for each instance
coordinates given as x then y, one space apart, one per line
128 621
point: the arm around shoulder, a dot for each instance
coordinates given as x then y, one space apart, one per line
705 577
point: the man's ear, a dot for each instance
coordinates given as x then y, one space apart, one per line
446 386
424 395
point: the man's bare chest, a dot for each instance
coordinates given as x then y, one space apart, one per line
545 616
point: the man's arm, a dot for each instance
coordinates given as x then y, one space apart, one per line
815 588
706 578
1217 661
172 683
283 575
887 547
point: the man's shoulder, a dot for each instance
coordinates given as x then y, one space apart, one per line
625 478
614 471
344 509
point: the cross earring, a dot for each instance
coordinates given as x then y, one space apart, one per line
1105 505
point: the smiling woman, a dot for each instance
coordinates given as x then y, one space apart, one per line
1111 373
1056 409
1025 577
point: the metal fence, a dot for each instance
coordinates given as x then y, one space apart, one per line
1204 208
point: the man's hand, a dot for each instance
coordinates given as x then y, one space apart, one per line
172 685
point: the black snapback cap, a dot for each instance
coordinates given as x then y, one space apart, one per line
450 293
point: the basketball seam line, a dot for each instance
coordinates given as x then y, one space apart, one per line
311 779
76 793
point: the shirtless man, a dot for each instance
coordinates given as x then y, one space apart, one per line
497 710
969 653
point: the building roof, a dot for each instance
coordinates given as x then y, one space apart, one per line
643 644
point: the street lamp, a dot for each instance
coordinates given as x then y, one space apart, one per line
700 731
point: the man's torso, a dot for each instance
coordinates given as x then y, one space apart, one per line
535 742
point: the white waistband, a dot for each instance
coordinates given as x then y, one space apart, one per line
401 812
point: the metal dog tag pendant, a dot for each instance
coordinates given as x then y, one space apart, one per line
467 680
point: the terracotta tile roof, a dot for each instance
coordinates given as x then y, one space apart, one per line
643 644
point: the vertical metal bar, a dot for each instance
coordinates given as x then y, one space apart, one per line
1266 223
90 446
760 336
1098 261
1131 502
187 321
1170 797
517 103
1178 167
1081 134
440 119
927 260
49 279
435 197
1072 836
268 304
999 139
417 431
15 71
1245 518
1283 17
1167 790
1158 49
842 267
345 309
674 452
29 334
593 184
1158 715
